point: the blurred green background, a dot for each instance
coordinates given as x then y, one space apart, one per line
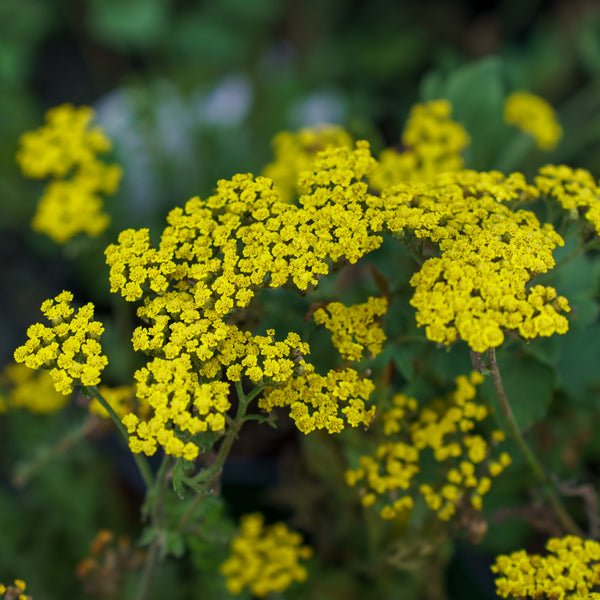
193 91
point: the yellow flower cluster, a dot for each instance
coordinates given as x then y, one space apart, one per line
323 401
533 115
182 406
571 570
212 258
353 328
295 153
432 142
15 591
263 558
444 429
66 149
69 348
575 190
478 286
31 390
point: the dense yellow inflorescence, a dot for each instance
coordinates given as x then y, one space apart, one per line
66 149
576 190
263 558
69 348
571 570
213 257
30 390
296 152
477 287
533 115
444 429
15 591
353 328
433 144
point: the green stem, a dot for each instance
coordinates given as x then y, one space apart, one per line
140 460
240 416
152 560
25 471
535 466
155 505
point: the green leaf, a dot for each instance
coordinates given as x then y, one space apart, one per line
578 366
136 24
528 384
174 543
178 476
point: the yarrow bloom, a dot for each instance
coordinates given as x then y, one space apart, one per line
31 390
390 478
354 328
66 150
533 115
571 570
576 190
15 591
296 152
263 558
69 348
213 257
432 144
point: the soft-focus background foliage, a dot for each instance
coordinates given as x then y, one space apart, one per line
194 91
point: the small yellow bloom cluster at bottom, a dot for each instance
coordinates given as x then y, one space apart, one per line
571 568
442 430
14 592
265 559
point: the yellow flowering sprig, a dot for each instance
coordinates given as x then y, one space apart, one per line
15 591
296 152
69 348
433 144
575 190
444 428
571 570
66 149
534 116
354 328
263 558
478 287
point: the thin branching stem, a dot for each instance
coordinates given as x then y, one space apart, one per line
555 502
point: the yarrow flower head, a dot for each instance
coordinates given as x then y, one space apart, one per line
354 328
69 348
66 150
263 558
31 390
296 152
533 115
478 286
390 478
571 570
432 143
576 190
